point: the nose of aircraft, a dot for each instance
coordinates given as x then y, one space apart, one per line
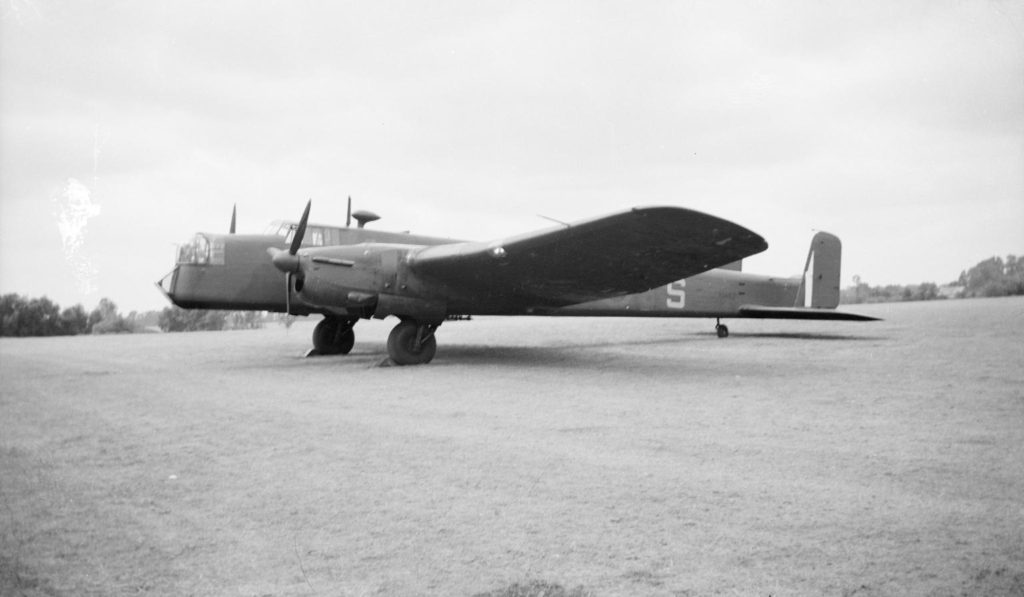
166 284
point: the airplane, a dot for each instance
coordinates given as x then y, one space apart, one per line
639 262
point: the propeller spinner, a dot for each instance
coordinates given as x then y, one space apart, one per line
288 261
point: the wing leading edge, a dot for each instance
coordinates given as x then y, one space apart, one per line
622 253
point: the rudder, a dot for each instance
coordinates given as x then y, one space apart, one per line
819 288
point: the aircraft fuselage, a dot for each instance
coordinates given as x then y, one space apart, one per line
238 275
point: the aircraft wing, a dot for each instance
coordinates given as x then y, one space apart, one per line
762 312
622 253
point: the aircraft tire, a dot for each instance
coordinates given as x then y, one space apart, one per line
722 331
343 343
331 337
402 345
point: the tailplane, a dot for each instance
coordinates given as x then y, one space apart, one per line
818 295
819 288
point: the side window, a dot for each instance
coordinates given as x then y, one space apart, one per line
316 237
186 253
202 249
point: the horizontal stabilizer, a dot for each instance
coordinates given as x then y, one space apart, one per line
759 312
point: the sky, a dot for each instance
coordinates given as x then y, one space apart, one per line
126 127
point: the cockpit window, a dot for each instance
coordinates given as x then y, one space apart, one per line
314 235
276 228
201 251
186 253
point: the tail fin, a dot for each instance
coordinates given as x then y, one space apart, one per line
820 286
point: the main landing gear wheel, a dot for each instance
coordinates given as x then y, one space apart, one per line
412 343
333 336
722 330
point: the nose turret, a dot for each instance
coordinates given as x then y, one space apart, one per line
166 284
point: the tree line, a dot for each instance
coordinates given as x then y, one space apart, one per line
992 277
176 319
24 316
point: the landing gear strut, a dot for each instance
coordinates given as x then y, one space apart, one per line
721 329
412 343
333 336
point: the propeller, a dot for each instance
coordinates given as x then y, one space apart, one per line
234 208
348 218
288 261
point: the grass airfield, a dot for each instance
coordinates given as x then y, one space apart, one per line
610 457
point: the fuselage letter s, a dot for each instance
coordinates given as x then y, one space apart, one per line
676 295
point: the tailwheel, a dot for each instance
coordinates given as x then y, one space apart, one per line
333 336
721 329
412 343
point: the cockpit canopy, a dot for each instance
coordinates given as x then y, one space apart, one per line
316 236
202 251
205 249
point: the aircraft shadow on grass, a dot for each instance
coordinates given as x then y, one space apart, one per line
475 354
585 353
804 336
573 354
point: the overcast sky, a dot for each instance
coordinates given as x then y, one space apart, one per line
128 126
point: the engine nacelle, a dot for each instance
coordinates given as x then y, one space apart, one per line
346 276
369 279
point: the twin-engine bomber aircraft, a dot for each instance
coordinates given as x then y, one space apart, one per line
642 262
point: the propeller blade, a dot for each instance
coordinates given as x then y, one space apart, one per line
287 261
348 218
301 230
233 210
288 293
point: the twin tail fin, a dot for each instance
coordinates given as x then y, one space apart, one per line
819 288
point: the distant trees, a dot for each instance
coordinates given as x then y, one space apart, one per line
865 293
74 321
989 278
176 319
245 320
105 319
23 316
994 277
20 316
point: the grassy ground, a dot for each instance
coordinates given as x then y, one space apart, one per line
557 456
